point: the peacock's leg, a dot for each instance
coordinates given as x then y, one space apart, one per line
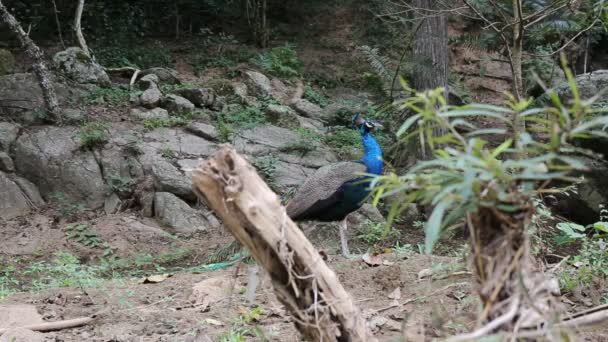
343 239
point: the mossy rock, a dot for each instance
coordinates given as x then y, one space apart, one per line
7 62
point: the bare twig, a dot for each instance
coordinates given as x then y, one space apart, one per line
491 326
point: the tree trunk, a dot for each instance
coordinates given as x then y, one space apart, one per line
58 23
431 50
78 28
517 50
309 289
40 70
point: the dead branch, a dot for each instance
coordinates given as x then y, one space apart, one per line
133 78
59 325
309 289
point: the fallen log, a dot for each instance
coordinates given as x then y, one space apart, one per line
309 289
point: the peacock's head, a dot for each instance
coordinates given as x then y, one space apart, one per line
364 125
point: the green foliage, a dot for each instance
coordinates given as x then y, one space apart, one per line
376 233
266 167
168 153
142 56
118 184
313 96
80 233
280 61
7 62
180 119
94 134
467 173
226 59
243 118
346 141
221 86
114 96
66 207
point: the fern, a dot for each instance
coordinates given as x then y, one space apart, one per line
380 64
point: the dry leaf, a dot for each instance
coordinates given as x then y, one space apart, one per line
396 294
427 272
155 279
372 260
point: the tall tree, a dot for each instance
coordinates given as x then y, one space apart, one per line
431 49
78 27
40 70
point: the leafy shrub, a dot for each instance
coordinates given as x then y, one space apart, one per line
117 184
280 61
113 96
266 167
245 117
221 86
81 234
374 233
66 207
93 134
313 96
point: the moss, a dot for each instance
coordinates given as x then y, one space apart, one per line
7 62
82 57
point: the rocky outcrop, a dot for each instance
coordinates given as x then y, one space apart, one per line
8 134
52 159
203 130
148 81
164 75
589 85
144 114
6 163
307 109
78 66
151 97
177 214
21 97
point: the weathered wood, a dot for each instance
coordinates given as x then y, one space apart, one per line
40 70
309 289
78 28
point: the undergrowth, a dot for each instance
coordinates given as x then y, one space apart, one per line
281 61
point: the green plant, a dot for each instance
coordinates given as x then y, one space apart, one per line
243 117
346 141
81 234
373 233
117 184
93 134
280 61
266 167
313 96
114 96
66 206
167 152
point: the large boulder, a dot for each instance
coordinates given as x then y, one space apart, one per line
22 98
258 83
287 145
167 178
8 134
78 66
200 97
13 202
177 214
307 109
51 158
151 97
589 85
177 104
166 76
7 62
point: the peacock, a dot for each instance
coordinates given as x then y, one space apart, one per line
336 190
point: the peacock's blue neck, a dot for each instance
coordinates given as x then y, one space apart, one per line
373 154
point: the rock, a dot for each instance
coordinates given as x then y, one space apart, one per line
285 144
30 191
203 130
21 335
240 90
112 204
75 64
280 91
307 108
180 142
311 124
6 163
282 116
177 104
151 97
22 97
52 159
589 85
290 175
148 81
152 114
167 178
164 75
74 115
7 62
8 134
176 214
13 202
200 97
258 83
366 212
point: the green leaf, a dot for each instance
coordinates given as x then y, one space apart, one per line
434 224
408 123
601 226
500 149
568 228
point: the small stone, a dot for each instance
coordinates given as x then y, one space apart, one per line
203 130
151 97
6 163
200 97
